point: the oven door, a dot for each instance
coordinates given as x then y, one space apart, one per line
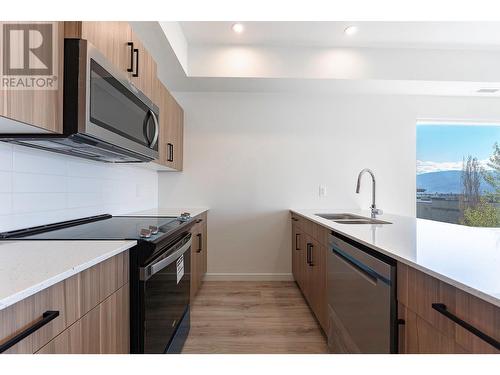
116 111
166 285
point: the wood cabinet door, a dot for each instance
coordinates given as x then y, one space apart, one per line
143 75
38 107
195 261
111 38
295 251
114 323
318 284
174 133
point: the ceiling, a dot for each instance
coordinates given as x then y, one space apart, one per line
331 34
402 58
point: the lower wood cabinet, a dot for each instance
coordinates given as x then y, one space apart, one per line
427 304
198 253
309 251
93 313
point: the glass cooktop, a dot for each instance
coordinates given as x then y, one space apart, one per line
103 227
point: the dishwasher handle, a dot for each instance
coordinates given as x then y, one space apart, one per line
367 273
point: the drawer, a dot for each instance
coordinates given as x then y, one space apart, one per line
304 224
72 298
418 292
423 338
62 297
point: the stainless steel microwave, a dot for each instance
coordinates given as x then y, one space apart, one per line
105 117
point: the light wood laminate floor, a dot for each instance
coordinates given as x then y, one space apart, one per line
252 317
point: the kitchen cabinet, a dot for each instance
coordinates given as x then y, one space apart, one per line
309 250
427 306
88 319
39 108
121 47
171 139
198 253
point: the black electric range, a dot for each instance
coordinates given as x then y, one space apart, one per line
160 271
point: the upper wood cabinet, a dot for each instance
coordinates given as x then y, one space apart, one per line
143 74
170 144
117 42
37 107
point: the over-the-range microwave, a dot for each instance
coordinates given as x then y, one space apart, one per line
106 118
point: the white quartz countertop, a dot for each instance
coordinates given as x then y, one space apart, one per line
465 257
170 211
27 267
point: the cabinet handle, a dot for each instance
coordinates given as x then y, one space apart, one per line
198 221
309 254
295 219
47 316
131 67
442 309
200 242
170 152
136 52
297 239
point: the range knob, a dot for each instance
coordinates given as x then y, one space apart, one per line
145 233
185 216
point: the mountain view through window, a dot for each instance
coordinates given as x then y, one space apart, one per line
458 174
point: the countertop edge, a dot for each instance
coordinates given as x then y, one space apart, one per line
477 293
28 292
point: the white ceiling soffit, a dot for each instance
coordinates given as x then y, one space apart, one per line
414 58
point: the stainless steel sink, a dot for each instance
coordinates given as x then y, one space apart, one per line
346 218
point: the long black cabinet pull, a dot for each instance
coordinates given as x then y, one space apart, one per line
47 316
131 67
200 242
442 309
297 240
136 73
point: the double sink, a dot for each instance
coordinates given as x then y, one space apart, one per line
345 218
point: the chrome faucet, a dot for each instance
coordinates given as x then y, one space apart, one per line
374 210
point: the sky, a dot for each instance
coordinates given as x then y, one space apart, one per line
443 147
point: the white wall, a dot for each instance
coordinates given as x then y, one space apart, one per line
250 157
39 187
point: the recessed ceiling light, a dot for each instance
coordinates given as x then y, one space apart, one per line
238 28
350 30
487 91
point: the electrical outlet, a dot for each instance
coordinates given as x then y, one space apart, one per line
322 191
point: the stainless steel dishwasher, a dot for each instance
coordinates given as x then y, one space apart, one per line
362 305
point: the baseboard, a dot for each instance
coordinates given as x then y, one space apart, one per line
248 277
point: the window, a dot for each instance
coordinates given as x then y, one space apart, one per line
458 173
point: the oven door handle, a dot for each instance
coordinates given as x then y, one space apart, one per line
149 270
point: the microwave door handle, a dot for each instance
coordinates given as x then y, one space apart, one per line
157 129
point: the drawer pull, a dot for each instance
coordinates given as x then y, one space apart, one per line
46 318
442 309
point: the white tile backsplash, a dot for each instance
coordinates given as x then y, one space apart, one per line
5 182
39 187
5 156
